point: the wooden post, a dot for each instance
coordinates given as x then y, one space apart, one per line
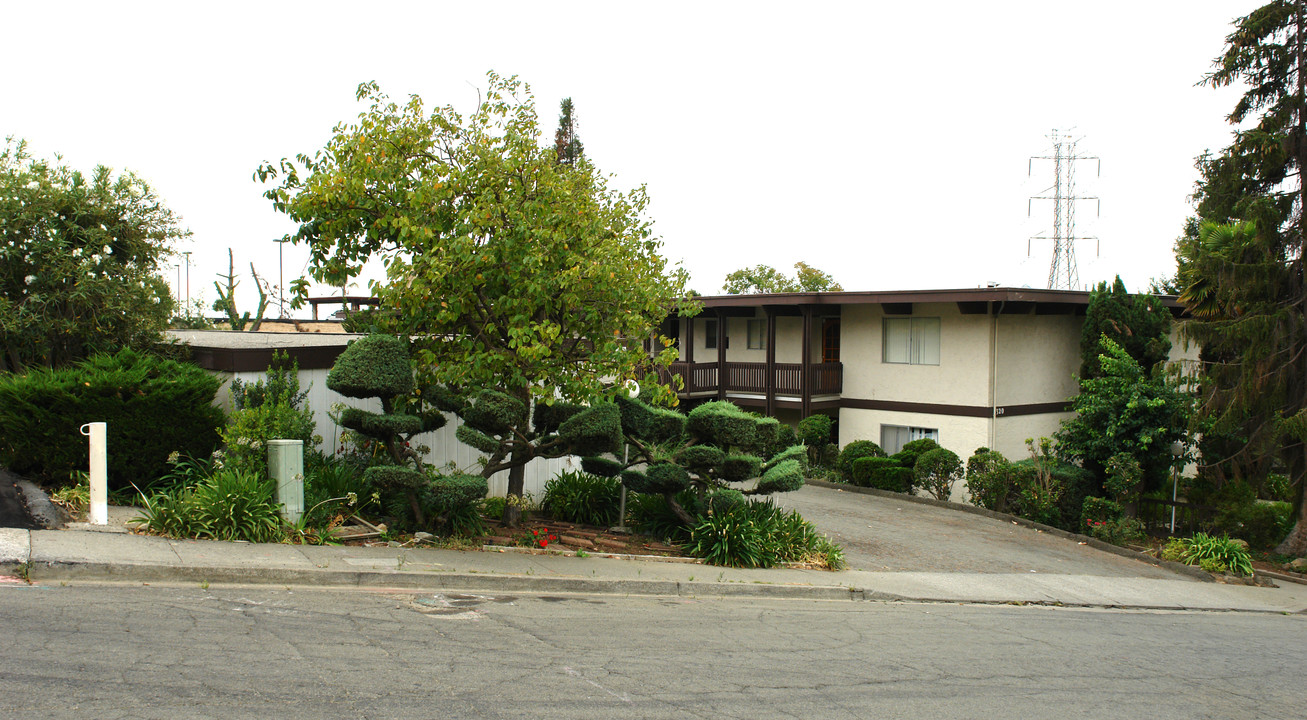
770 384
805 366
721 355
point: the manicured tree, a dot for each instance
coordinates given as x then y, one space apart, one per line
937 470
377 366
911 451
853 451
513 272
709 450
989 480
496 424
814 432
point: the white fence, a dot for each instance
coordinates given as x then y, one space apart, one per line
445 448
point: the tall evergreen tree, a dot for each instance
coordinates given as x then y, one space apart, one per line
1242 273
566 141
1140 324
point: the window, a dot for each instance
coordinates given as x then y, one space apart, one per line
911 341
757 334
894 437
710 334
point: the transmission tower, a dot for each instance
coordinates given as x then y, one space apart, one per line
1062 273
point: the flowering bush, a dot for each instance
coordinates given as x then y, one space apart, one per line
79 262
537 538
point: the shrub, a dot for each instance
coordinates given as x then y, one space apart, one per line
1096 510
853 451
1213 554
814 432
988 480
936 470
882 473
583 498
907 457
785 439
152 407
1124 477
1118 531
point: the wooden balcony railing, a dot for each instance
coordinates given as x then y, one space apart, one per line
751 377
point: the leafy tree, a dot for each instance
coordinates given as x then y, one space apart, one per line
767 279
1140 324
1242 272
511 271
1125 410
79 261
567 144
706 451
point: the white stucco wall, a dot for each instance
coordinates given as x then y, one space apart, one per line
1038 358
961 378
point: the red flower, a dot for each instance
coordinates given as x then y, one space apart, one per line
544 542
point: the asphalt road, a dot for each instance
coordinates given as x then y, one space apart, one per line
107 651
886 534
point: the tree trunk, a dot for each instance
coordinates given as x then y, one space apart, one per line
679 511
516 484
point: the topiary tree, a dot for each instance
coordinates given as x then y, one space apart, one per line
814 431
936 470
377 366
497 424
708 450
853 451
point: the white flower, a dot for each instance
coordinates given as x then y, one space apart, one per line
108 250
29 279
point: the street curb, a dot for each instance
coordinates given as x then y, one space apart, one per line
1179 568
443 581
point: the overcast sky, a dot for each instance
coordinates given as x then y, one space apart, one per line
884 142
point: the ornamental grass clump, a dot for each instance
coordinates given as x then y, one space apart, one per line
583 498
759 534
227 505
1213 554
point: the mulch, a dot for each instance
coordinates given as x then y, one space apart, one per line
573 536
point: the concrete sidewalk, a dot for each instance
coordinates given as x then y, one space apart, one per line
82 554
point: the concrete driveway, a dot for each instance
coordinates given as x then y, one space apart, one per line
882 534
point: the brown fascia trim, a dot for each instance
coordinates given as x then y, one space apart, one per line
977 411
316 357
1034 296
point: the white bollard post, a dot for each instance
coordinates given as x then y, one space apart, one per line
99 473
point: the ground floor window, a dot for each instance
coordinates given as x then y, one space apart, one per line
894 437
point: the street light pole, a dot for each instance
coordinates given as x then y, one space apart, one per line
281 276
178 286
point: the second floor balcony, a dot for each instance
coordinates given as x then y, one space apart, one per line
705 379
